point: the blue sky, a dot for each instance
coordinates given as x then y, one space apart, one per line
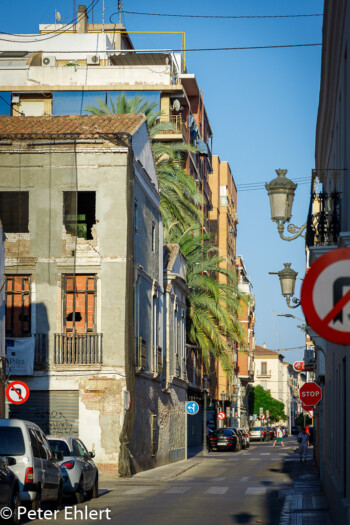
262 107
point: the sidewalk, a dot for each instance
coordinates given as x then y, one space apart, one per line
305 504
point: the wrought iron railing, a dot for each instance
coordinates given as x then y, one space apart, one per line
178 124
323 224
264 373
78 349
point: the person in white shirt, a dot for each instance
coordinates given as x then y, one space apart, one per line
303 440
279 436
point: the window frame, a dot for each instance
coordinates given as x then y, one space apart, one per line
11 309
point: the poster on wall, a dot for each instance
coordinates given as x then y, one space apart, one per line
20 355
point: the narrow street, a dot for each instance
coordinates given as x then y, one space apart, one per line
245 487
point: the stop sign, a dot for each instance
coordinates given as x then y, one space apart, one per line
310 394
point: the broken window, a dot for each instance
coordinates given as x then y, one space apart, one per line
18 319
14 211
79 301
79 212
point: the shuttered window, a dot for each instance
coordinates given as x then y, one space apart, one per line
18 311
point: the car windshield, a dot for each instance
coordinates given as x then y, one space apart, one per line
11 441
223 432
57 445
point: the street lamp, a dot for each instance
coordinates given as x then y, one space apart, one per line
291 316
223 397
235 399
287 278
281 193
205 441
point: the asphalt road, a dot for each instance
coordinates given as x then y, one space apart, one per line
224 488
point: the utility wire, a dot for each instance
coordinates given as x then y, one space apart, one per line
22 114
55 33
227 17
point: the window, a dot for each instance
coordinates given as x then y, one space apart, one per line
79 299
135 217
78 449
79 214
34 443
11 441
57 445
263 369
14 211
155 333
18 310
153 237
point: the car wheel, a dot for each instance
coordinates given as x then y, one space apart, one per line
14 504
79 495
36 504
93 493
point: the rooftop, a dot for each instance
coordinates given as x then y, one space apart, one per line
260 350
79 126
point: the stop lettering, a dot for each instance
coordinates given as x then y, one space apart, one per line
310 394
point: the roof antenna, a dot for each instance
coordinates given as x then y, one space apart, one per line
120 8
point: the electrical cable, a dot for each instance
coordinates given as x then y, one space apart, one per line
55 33
22 114
236 17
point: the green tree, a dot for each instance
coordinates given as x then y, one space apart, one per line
259 397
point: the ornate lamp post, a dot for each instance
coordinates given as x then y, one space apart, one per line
281 192
287 278
205 390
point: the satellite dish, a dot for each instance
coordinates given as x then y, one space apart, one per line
57 16
176 105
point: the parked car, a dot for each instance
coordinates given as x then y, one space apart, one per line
245 435
223 439
80 473
271 433
39 477
295 430
241 443
256 432
9 489
285 431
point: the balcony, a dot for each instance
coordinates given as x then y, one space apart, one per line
323 224
78 349
179 128
263 374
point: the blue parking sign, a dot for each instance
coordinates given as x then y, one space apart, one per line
192 408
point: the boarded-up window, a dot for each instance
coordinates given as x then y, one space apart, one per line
18 320
14 211
79 301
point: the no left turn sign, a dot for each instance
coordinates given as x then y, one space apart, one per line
325 296
17 392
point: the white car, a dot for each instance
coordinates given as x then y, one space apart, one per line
33 462
80 473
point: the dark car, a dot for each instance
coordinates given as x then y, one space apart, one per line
271 433
295 430
223 439
9 490
240 438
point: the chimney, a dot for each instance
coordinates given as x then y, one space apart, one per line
82 19
264 345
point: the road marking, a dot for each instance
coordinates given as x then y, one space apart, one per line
255 491
283 454
218 479
216 490
246 454
265 454
245 479
254 459
177 490
138 490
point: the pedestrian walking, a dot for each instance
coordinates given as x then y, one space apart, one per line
279 436
303 440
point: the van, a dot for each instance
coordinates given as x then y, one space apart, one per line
39 477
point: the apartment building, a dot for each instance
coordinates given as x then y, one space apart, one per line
2 322
85 274
268 371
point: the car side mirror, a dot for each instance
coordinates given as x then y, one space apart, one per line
91 455
10 462
58 455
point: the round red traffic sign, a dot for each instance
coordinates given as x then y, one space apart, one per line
325 296
310 394
17 392
299 366
262 416
221 415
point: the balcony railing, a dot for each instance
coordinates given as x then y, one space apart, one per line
140 353
323 224
177 122
78 349
264 373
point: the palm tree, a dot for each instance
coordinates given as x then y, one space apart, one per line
212 305
180 199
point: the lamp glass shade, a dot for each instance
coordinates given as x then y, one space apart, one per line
287 278
281 193
223 395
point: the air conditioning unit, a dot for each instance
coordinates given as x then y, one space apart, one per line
49 61
92 60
